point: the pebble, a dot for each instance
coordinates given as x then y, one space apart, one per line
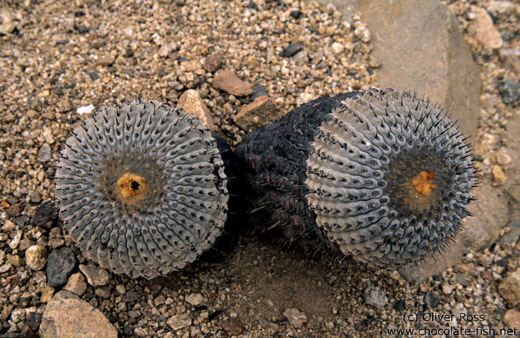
257 114
76 284
44 154
512 319
59 266
46 294
484 30
13 244
36 257
195 299
447 289
194 105
375 296
290 50
95 276
503 157
213 62
431 299
68 316
85 109
229 82
34 197
44 215
7 25
179 321
499 178
510 91
510 288
338 48
511 59
258 90
233 327
120 289
105 62
295 317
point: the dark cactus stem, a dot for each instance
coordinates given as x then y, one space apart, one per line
380 176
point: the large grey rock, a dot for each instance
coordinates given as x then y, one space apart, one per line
421 48
68 316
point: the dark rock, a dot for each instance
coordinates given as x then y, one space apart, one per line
33 320
400 305
290 50
510 91
296 14
94 75
431 299
258 90
233 327
44 215
252 5
60 264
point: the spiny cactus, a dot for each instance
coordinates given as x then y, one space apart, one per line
142 188
381 176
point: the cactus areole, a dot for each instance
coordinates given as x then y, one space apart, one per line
142 188
380 176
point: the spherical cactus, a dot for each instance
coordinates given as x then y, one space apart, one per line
381 176
142 189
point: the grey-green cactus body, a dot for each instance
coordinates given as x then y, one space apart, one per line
142 189
381 176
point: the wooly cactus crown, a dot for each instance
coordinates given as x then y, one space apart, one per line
142 188
380 176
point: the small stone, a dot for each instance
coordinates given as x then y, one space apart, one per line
195 299
290 50
499 178
95 276
105 62
13 244
375 296
44 154
85 109
167 48
35 197
194 105
261 111
33 320
296 14
35 257
179 321
503 157
512 318
511 59
103 292
59 266
431 299
14 260
258 90
295 317
227 81
484 30
6 21
44 215
213 62
400 305
510 288
120 289
233 327
46 294
447 289
68 316
14 210
76 284
338 48
501 7
510 91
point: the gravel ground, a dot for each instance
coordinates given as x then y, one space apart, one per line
56 58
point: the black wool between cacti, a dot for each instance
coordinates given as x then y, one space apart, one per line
381 176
